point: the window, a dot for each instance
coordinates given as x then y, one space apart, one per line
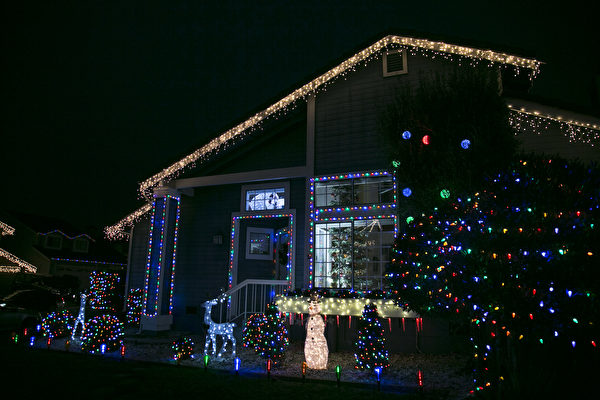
353 254
357 191
81 245
53 242
259 244
264 197
394 63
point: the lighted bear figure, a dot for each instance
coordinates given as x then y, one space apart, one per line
316 351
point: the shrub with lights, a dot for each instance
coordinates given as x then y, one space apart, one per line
370 351
183 348
517 260
58 324
103 333
266 334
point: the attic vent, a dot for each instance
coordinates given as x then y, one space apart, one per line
394 63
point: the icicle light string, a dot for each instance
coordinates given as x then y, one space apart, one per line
20 264
6 229
422 46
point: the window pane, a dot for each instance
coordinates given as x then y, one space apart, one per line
260 243
265 199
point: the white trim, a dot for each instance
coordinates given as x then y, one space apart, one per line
404 70
243 177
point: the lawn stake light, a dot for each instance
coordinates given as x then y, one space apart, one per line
237 363
122 352
206 359
303 371
269 368
338 372
32 341
48 342
420 380
67 345
15 337
378 375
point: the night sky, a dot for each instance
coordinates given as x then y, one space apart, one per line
98 97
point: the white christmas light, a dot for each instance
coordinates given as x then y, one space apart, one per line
316 351
20 263
334 306
6 229
80 317
225 330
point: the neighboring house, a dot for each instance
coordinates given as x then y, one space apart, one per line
265 201
50 247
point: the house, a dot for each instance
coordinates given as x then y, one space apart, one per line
261 208
46 247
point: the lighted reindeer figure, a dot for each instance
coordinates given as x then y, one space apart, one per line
225 330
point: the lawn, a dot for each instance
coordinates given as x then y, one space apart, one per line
34 372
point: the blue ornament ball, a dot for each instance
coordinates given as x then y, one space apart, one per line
465 144
406 192
406 135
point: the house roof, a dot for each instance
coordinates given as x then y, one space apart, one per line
424 46
415 45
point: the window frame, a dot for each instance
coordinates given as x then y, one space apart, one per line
264 186
404 70
251 256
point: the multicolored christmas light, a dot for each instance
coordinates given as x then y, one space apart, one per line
183 348
134 306
103 293
517 260
370 344
266 334
103 334
58 324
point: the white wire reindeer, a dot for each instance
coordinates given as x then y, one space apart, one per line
80 317
225 330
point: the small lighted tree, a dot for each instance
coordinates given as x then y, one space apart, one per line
370 344
266 334
102 334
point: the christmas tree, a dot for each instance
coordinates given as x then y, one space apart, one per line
266 334
104 292
134 306
57 324
370 345
517 260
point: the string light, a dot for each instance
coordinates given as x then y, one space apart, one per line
224 330
21 265
6 229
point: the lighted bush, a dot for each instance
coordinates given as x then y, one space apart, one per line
183 348
57 324
103 333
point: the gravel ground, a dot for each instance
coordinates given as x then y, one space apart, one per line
444 373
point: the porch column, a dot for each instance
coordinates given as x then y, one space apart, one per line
157 303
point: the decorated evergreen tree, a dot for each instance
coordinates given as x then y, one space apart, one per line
134 306
104 293
370 345
266 334
517 260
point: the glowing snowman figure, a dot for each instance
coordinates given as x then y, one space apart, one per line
225 330
80 317
316 351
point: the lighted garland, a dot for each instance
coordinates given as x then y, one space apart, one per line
183 348
103 333
370 344
21 265
58 324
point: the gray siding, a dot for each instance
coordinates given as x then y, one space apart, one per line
347 114
139 254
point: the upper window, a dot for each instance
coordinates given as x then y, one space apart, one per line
265 197
53 242
357 191
394 63
81 245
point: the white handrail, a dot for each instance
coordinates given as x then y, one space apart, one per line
251 296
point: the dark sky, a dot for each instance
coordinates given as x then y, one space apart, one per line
99 96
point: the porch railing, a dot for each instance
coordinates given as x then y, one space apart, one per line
252 296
